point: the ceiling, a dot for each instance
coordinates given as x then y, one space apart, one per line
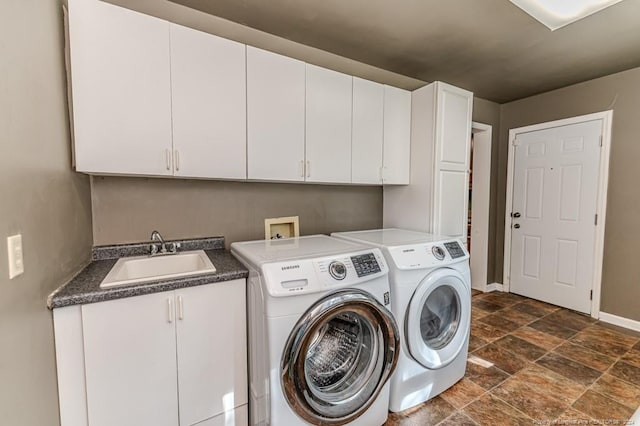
490 47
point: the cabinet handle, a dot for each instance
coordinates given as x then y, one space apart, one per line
308 168
170 310
302 168
167 153
177 155
180 308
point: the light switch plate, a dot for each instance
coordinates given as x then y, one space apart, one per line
16 262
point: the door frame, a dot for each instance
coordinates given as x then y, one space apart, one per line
480 203
601 199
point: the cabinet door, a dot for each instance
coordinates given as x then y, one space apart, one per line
121 89
208 86
212 350
452 153
367 139
130 361
328 128
275 116
397 135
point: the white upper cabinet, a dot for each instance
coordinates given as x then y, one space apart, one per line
275 116
120 63
208 90
328 125
367 135
154 98
397 136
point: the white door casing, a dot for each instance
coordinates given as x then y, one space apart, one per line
480 200
555 194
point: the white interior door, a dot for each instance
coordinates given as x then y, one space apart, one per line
554 206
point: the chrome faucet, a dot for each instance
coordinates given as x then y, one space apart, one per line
155 236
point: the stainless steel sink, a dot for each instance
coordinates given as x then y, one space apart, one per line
135 270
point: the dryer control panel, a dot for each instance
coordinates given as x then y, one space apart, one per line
320 274
428 255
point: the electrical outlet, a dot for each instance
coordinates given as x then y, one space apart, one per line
16 261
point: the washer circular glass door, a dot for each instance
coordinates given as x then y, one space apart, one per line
338 357
438 318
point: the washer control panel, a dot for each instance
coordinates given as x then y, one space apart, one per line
365 264
428 255
319 274
454 249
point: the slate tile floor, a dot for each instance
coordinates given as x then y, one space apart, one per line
535 363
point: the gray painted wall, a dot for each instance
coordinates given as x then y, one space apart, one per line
42 199
620 92
128 209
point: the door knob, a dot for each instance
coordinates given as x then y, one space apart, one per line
516 214
517 225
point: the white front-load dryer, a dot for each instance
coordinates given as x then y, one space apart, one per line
322 343
431 301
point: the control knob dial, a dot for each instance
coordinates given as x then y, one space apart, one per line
337 270
438 252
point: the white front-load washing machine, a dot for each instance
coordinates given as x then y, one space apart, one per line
431 301
322 343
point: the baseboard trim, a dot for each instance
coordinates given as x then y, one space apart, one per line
494 287
620 321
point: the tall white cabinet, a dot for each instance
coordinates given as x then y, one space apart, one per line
121 90
436 201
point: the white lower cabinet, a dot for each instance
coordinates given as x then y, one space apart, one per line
130 361
171 358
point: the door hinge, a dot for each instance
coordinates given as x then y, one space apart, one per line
595 221
516 142
590 294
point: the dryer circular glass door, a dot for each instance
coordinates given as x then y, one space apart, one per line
338 357
438 318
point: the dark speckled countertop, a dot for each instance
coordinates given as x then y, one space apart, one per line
85 287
